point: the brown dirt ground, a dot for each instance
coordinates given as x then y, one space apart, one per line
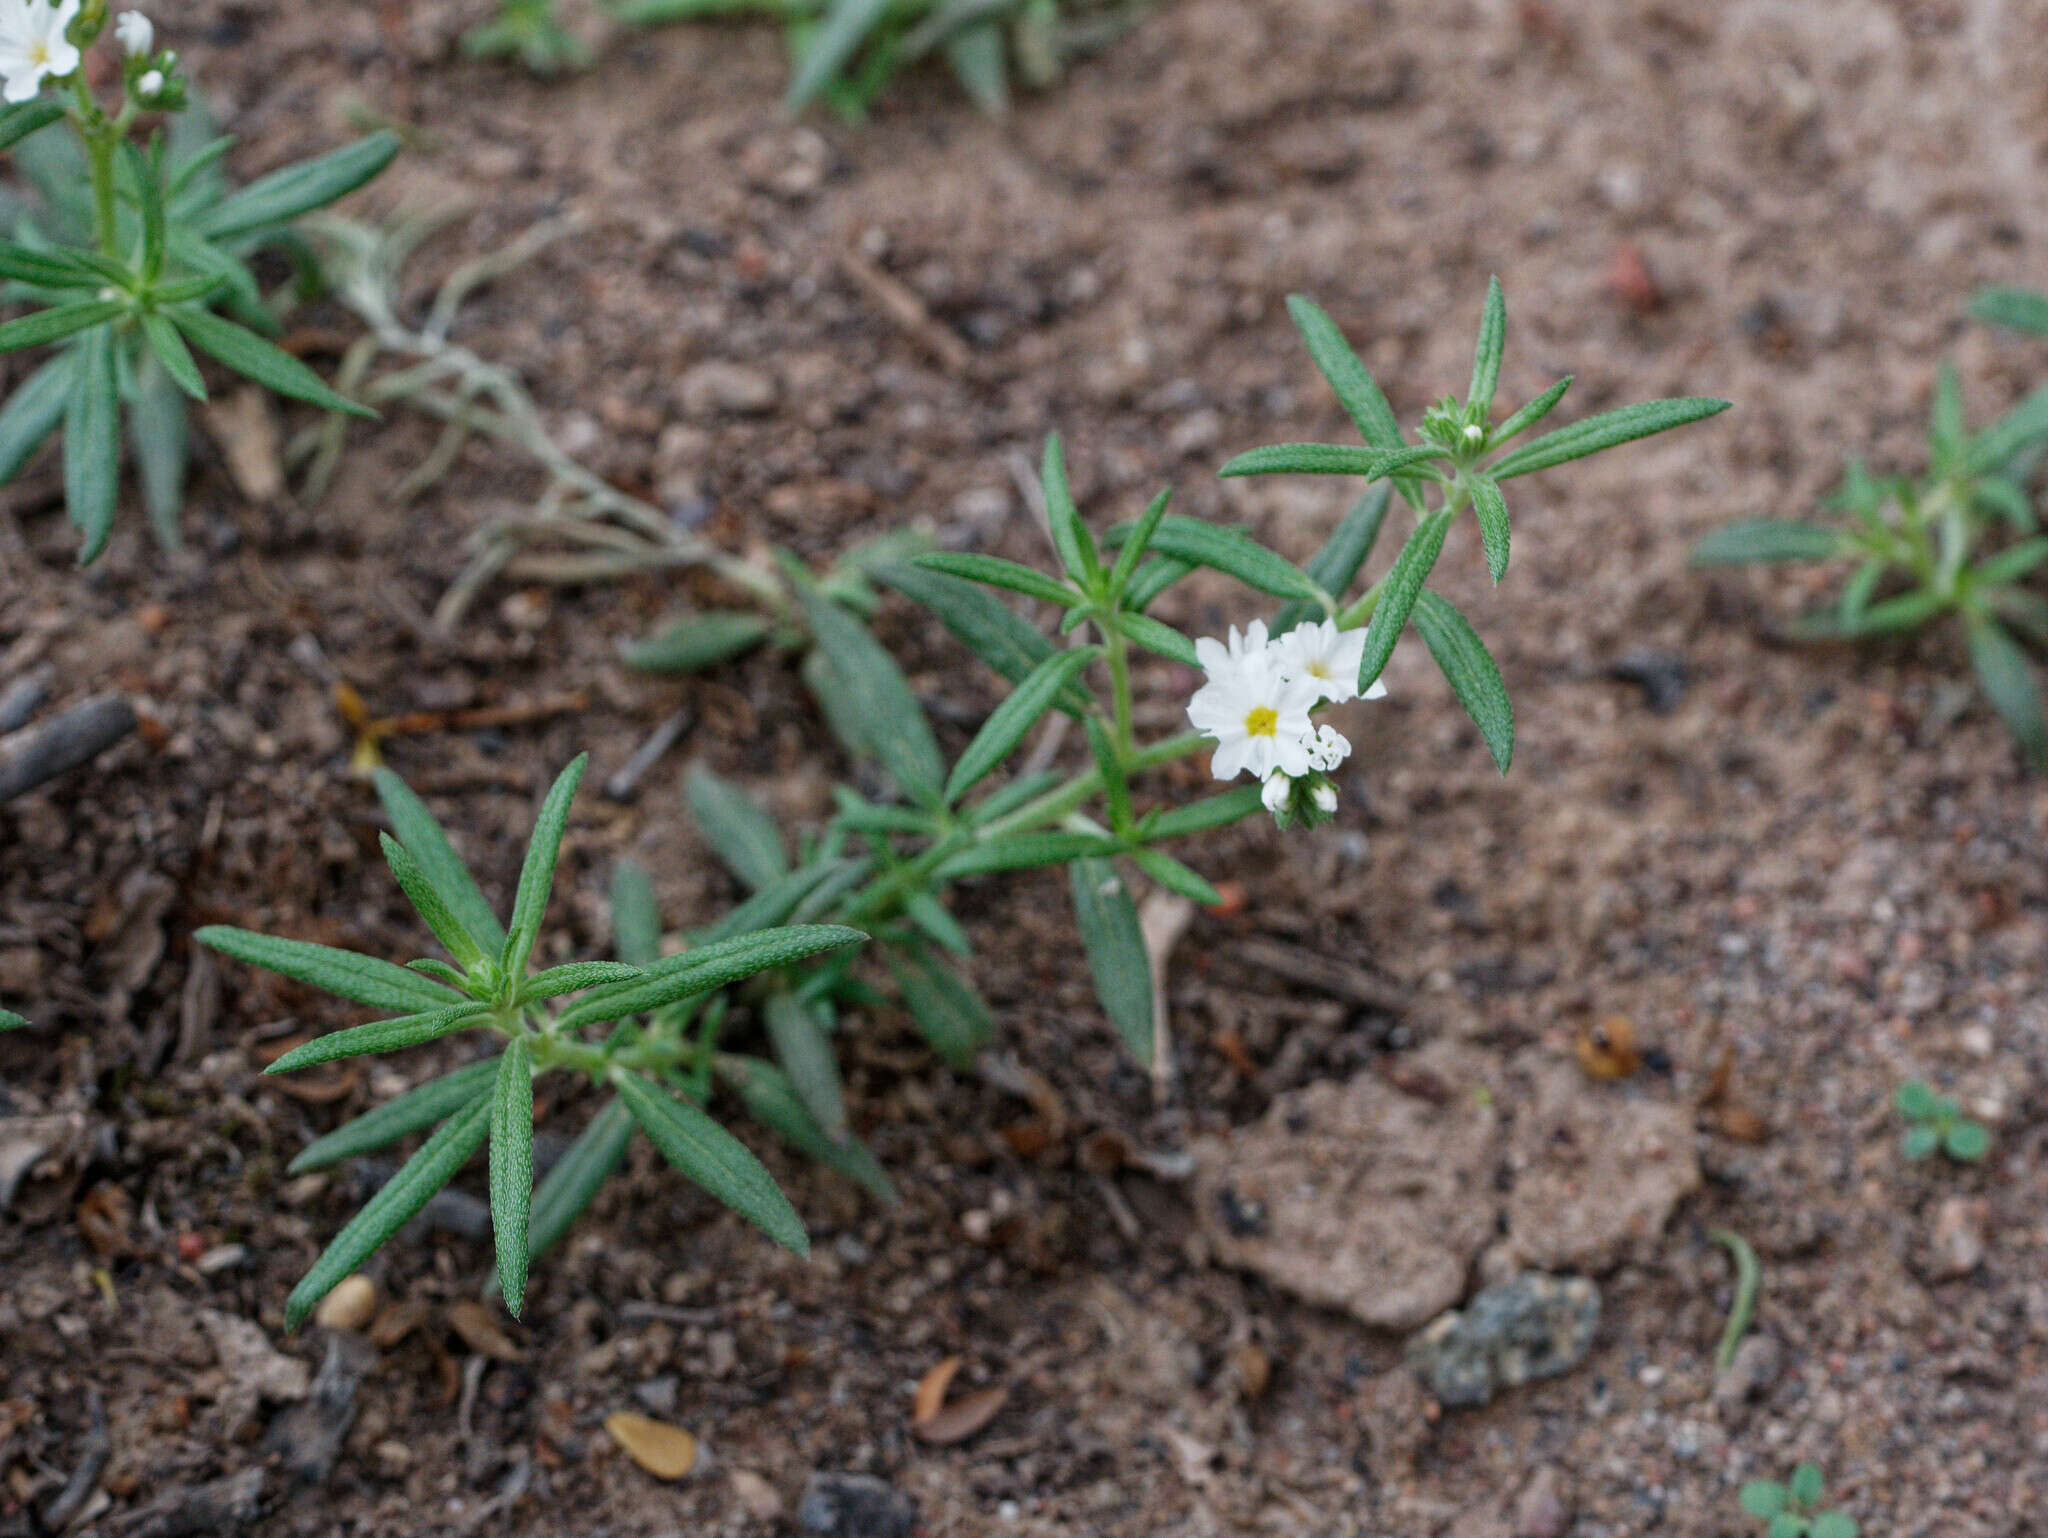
1825 863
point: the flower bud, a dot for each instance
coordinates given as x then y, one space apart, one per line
151 85
1325 796
1277 792
136 32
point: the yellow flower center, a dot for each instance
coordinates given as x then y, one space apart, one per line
39 53
1262 722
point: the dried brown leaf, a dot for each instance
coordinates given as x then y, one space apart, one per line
931 1390
665 1451
964 1416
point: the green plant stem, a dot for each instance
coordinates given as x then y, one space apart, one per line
1747 1279
102 137
1120 685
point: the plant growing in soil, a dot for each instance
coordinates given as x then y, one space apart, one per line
1790 1510
885 865
845 52
1935 1123
653 1057
1955 543
132 255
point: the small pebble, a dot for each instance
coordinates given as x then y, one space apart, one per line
855 1506
1958 1241
1544 1509
1758 1361
351 1306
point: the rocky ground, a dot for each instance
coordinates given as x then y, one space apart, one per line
1661 979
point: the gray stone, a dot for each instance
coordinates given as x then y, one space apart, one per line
855 1506
727 389
1534 1326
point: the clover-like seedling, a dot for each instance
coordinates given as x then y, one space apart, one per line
125 255
486 984
1953 543
1936 1124
1789 1510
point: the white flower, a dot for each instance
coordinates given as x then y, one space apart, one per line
1326 799
33 46
1216 658
1257 712
135 31
1327 749
1329 656
1277 792
150 85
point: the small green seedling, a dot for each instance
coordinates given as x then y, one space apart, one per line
130 251
1936 1123
1955 542
1788 1510
649 1053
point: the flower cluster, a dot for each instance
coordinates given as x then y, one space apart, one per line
1258 702
41 40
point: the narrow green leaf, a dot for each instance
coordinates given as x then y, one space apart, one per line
537 874
1013 795
1155 636
1473 675
1230 551
2018 308
1010 721
1152 579
2011 564
2007 678
1304 459
2011 435
744 837
847 25
574 977
159 425
171 352
247 353
805 1053
512 1169
382 1036
1402 585
412 880
385 1213
1531 412
1945 412
708 967
979 56
636 920
409 1113
984 623
1361 397
32 413
441 972
575 1179
1116 787
1137 543
1769 539
930 915
146 174
870 689
285 194
1893 616
46 269
1494 532
769 1096
1021 851
1605 431
1336 566
1069 535
997 572
697 641
716 1160
949 1014
1204 816
1493 330
364 979
1176 877
822 881
92 442
427 842
1115 945
21 119
1858 591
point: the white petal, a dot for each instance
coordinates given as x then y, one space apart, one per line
1230 758
23 85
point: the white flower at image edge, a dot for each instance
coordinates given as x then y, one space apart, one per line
135 31
33 46
1256 711
1329 656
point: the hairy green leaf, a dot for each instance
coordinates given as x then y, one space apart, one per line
1362 399
705 968
59 321
949 1013
1021 851
247 353
1304 459
1069 535
1605 431
1769 539
871 690
92 442
697 641
1176 877
744 837
636 920
512 1169
574 977
1531 412
21 119
805 1053
411 1112
769 1096
412 880
1473 675
1205 815
1015 716
846 26
930 915
2008 680
385 1213
1115 946
1230 551
1156 636
32 413
1493 329
997 572
1398 593
365 979
537 873
716 1160
1494 532
383 1036
298 189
